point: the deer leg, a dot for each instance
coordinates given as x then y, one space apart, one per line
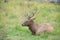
33 33
37 33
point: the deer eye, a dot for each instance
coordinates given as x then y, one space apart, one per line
26 22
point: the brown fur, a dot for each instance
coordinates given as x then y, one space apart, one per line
38 28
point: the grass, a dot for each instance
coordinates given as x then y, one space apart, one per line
12 15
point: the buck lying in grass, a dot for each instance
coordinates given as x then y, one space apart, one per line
37 28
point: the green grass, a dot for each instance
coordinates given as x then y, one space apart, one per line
12 16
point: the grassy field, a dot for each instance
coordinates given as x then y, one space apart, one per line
12 16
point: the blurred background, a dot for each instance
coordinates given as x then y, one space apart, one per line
12 15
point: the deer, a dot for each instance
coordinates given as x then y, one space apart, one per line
35 28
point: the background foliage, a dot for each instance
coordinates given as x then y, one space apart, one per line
12 15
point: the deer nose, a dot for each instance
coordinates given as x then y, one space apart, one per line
22 24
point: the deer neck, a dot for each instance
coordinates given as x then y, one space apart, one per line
31 25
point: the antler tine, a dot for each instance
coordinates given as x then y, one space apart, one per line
28 16
25 14
33 13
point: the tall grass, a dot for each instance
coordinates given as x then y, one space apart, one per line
12 15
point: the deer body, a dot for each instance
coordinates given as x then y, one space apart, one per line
37 28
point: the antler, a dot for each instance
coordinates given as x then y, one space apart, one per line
27 15
32 14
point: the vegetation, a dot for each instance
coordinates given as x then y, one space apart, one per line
12 16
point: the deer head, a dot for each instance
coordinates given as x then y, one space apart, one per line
30 18
29 21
